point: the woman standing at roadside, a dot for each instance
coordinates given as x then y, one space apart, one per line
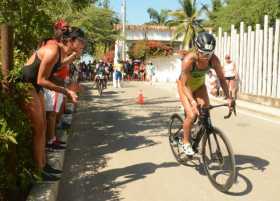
231 75
38 71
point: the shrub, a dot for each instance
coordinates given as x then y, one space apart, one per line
145 49
15 138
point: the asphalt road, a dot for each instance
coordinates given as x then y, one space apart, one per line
119 151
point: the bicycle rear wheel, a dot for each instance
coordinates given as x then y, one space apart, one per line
218 160
175 133
100 87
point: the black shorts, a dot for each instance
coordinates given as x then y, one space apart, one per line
230 78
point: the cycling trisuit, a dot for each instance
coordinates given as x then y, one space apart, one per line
30 72
197 77
100 70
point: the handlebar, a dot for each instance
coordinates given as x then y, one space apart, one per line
232 109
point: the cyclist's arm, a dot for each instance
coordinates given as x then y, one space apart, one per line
216 65
183 98
185 76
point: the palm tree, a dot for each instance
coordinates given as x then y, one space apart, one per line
211 13
156 17
186 22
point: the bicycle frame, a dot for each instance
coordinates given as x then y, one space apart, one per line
206 124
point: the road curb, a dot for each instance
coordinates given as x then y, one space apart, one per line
48 191
268 111
45 191
252 107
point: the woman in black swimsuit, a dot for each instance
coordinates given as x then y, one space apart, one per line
38 71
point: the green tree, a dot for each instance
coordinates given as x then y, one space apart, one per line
210 12
250 12
33 20
29 20
104 3
138 50
186 22
156 17
99 25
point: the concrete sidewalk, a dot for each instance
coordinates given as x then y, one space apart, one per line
47 191
266 111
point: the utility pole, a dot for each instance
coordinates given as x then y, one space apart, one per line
123 11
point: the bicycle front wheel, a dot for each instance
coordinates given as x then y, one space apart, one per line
175 132
218 160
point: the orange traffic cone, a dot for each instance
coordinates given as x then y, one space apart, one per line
140 98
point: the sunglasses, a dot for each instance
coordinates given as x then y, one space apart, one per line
208 54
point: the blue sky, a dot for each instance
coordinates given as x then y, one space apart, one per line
137 9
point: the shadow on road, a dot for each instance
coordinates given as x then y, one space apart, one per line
104 185
243 162
102 127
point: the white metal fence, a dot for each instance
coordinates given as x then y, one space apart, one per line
257 56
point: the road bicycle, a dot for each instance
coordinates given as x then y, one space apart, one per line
100 84
210 143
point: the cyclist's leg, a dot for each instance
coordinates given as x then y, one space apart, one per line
189 118
201 96
96 79
190 114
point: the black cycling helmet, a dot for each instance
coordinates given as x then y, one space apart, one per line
205 42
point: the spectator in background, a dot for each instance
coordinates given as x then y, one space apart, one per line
53 106
212 83
136 70
118 74
84 70
80 72
151 71
74 73
130 70
88 72
111 71
143 71
231 75
126 70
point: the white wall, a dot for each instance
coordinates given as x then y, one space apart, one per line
167 68
150 35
